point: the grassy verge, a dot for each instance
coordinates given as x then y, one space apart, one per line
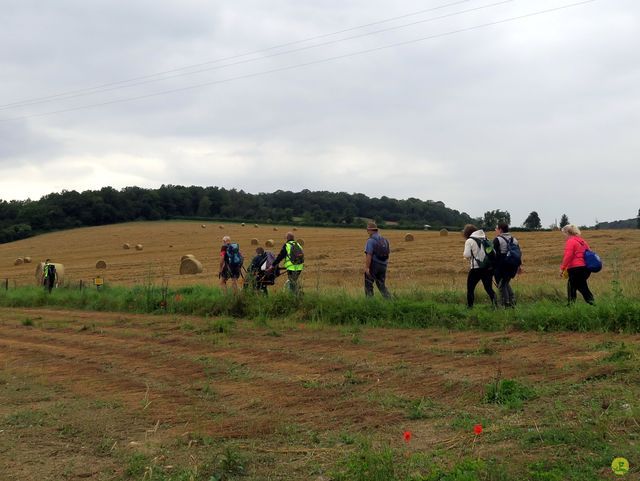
418 309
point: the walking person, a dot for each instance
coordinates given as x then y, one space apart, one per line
475 249
49 275
293 256
376 260
573 265
230 267
259 272
508 262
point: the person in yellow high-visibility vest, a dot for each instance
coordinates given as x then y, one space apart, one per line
293 257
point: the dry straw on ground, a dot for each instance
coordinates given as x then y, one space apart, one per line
255 242
126 246
139 247
269 243
190 266
444 232
408 237
101 264
18 261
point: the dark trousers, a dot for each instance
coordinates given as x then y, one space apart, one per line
377 273
293 277
475 276
578 283
507 297
49 282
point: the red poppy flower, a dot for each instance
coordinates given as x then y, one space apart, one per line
407 436
477 429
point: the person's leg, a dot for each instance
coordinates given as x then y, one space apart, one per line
487 282
293 281
368 284
581 275
472 280
380 274
510 294
572 282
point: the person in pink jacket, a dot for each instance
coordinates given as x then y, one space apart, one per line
573 265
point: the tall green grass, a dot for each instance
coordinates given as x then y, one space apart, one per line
417 309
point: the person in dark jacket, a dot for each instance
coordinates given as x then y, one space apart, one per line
260 275
376 259
477 270
502 272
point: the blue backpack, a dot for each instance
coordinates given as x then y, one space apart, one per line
233 256
592 261
512 259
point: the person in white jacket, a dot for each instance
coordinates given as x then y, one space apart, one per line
480 267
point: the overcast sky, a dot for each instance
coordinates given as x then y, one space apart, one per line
540 113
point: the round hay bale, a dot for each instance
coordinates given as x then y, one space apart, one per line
408 237
126 246
275 228
295 229
27 260
255 242
255 225
301 242
220 227
18 262
187 256
242 224
101 264
203 226
59 272
444 232
190 266
139 247
269 243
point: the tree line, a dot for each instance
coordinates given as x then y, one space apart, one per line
70 209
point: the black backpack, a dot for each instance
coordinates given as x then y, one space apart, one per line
512 259
296 254
50 271
381 249
489 253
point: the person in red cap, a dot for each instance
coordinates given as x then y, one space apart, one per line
377 257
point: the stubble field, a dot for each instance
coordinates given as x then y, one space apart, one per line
122 396
334 257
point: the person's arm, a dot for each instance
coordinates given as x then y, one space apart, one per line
467 249
568 255
281 255
496 246
221 267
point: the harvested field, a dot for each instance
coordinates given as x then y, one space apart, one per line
84 395
333 257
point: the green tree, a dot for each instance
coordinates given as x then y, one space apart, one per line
533 221
493 217
564 220
204 206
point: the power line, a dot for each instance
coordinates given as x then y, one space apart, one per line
240 62
89 90
306 64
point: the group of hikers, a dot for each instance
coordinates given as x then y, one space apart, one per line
497 262
264 267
